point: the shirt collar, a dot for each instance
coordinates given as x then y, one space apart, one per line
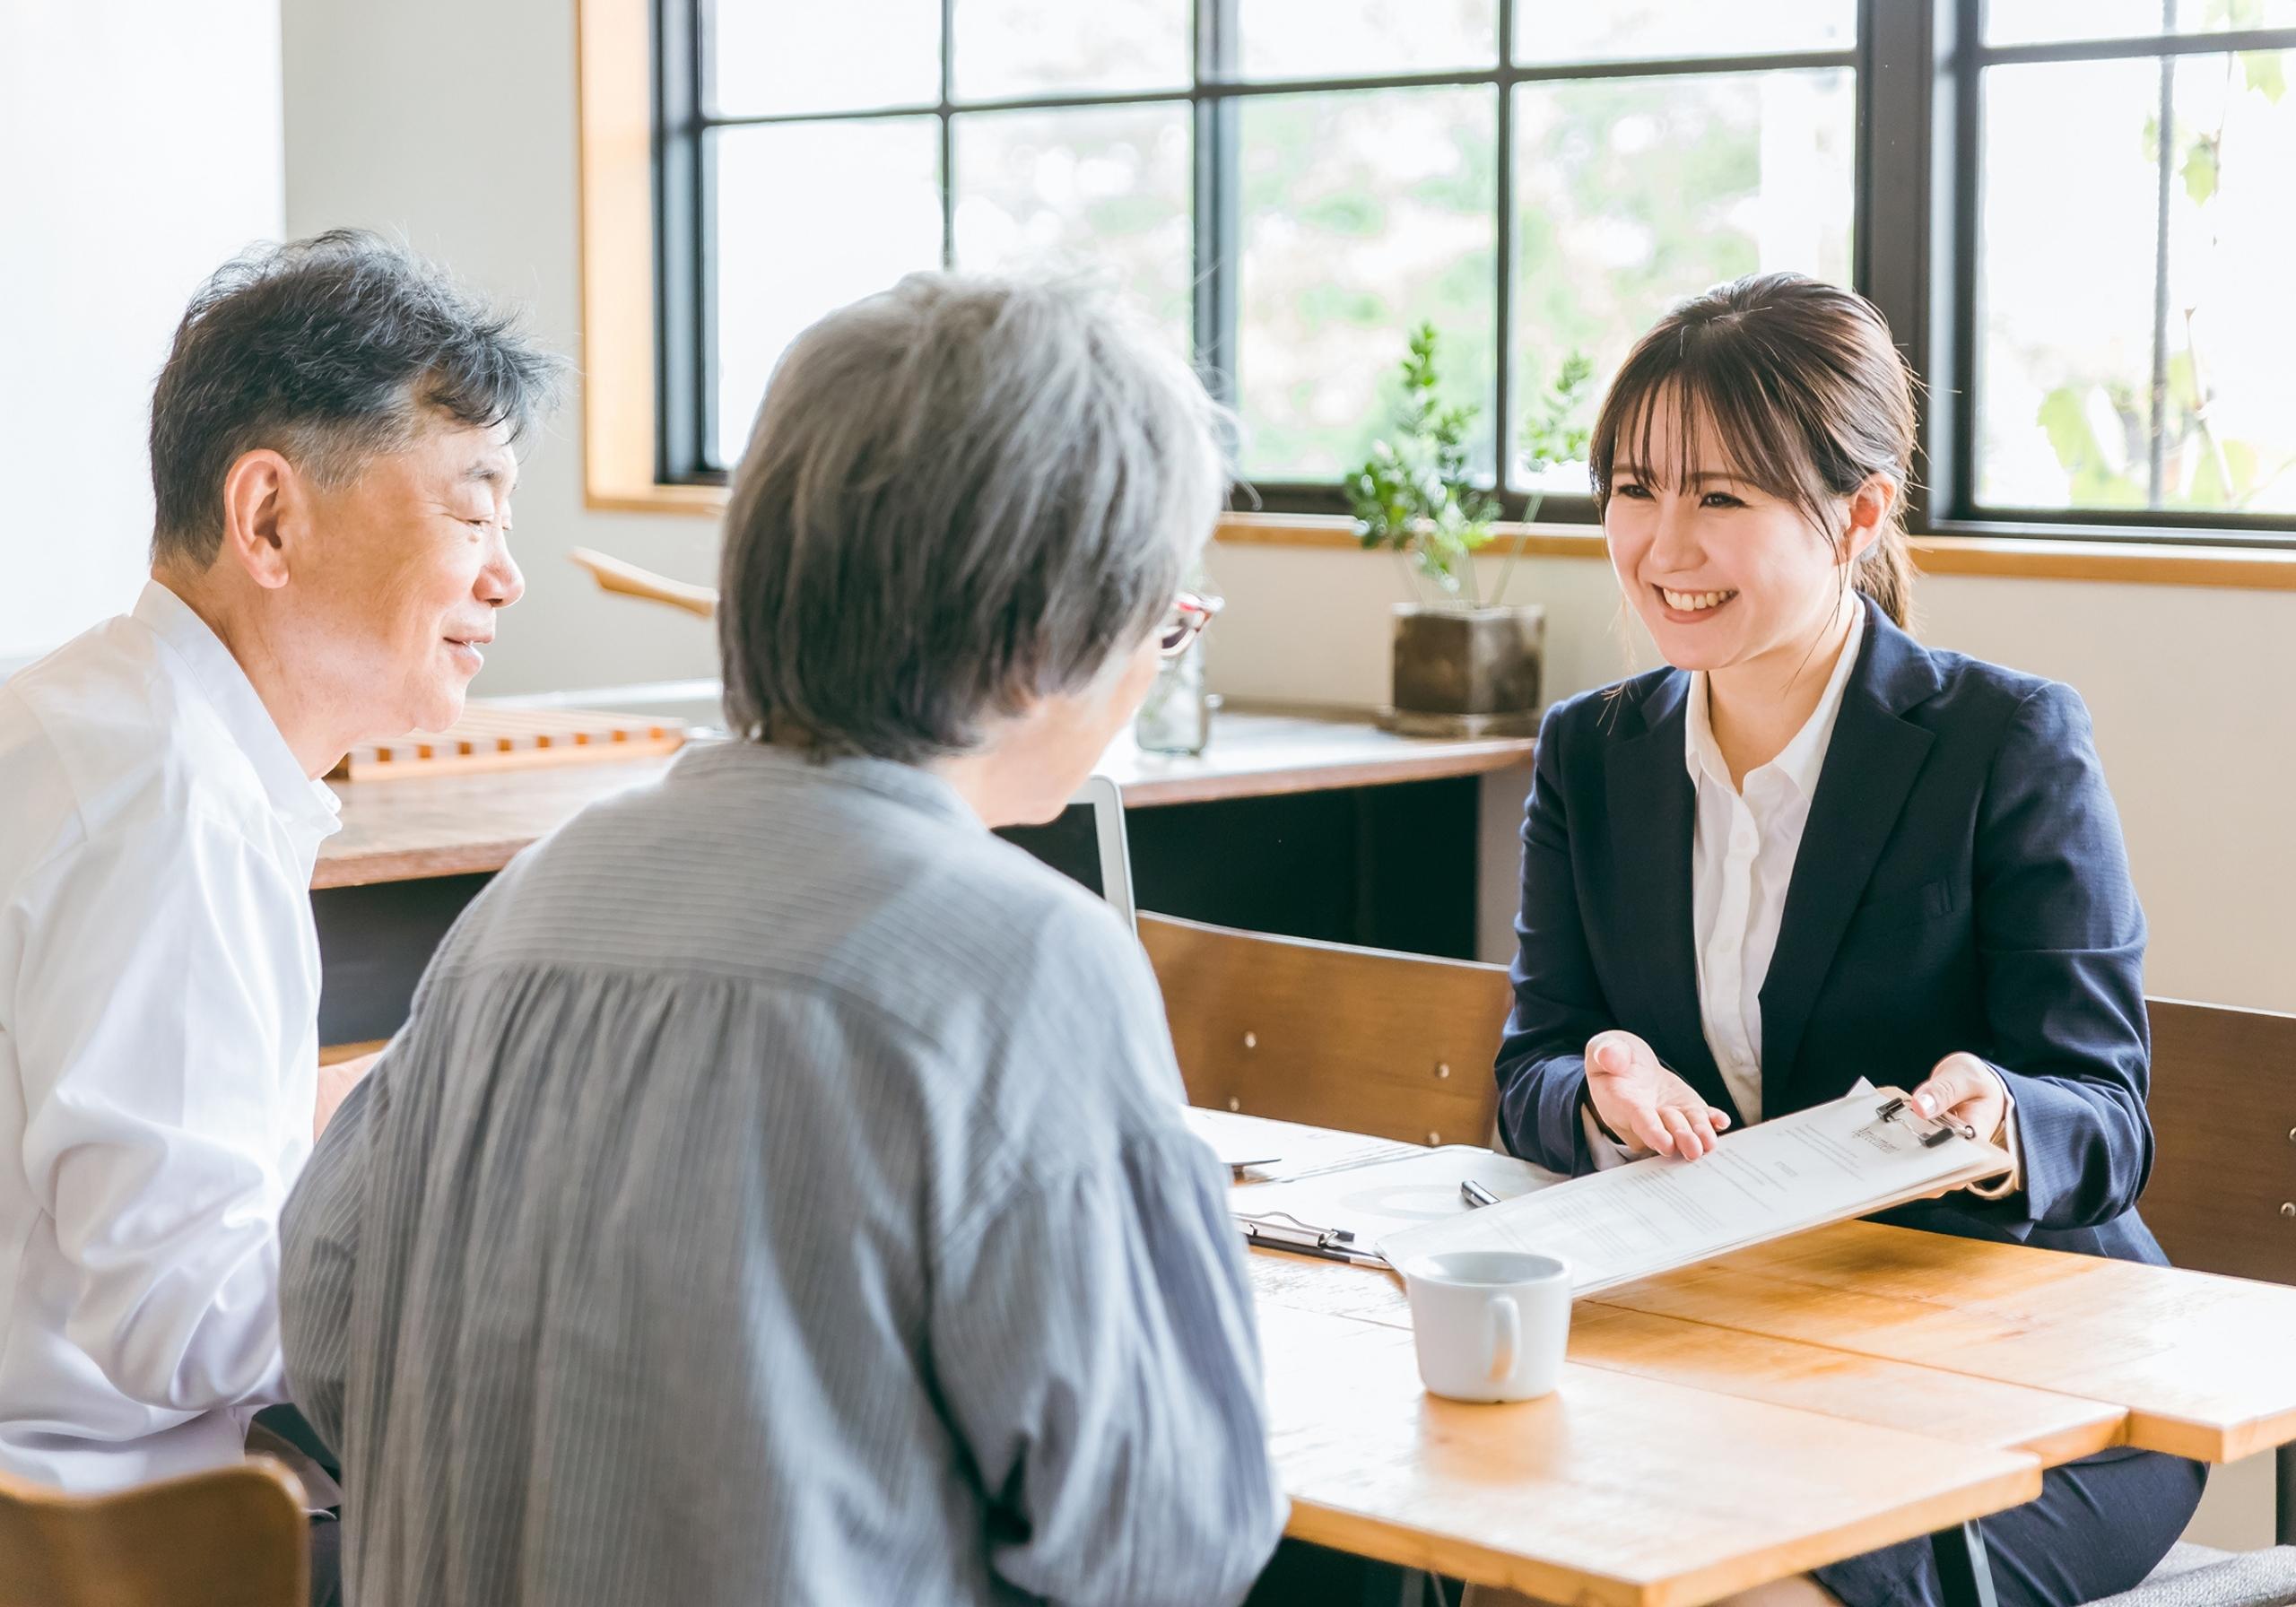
1801 760
227 689
906 783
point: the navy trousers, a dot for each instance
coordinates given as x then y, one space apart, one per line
2097 1530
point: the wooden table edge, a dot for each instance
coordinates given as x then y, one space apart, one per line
2109 1427
1275 782
418 864
1382 1540
2210 1442
2170 1432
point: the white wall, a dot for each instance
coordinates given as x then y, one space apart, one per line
2190 687
452 125
139 148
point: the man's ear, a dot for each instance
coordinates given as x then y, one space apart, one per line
265 514
1870 507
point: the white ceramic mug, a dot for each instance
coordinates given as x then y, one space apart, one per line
1489 1324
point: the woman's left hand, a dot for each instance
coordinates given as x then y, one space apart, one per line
1964 1089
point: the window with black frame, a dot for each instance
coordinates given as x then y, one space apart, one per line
1289 185
2135 208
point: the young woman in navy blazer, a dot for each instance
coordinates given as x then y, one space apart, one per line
1813 850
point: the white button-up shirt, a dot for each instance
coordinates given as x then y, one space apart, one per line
1741 862
1742 849
159 1000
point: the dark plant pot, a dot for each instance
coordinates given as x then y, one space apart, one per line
1467 672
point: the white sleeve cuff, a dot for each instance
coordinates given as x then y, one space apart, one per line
2011 1181
1607 1153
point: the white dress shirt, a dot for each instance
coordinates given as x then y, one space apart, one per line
1742 849
159 998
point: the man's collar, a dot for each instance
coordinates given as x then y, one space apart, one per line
218 676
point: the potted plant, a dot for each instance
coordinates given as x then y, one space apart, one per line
1466 664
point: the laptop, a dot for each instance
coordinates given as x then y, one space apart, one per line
1085 843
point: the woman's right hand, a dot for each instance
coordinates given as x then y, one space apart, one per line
1637 1097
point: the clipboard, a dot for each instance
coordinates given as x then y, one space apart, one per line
1864 1152
1341 1213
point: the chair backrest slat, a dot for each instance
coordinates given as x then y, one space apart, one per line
1362 1040
2224 1107
233 1537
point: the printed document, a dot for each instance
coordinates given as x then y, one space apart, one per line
1859 1154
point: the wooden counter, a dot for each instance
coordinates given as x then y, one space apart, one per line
403 831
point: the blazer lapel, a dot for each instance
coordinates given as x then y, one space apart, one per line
1869 771
1649 785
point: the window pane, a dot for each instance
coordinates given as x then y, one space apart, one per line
1363 212
1648 30
1632 193
1007 49
2043 22
764 57
777 270
1102 190
1329 39
2069 229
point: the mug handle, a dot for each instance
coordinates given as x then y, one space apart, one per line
1505 1339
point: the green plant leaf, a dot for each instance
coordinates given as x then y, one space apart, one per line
2184 389
2065 421
2265 72
2200 169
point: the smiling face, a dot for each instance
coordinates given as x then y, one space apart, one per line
399 591
1722 572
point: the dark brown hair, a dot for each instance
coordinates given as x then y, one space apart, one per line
1798 384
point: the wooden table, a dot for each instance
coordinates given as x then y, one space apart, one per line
1760 1404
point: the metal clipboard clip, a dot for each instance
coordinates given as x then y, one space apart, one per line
1281 1231
1940 1128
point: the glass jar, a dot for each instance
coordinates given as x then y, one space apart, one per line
1177 717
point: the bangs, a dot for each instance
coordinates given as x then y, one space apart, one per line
1729 416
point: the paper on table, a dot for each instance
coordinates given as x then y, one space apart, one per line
1274 1149
1795 1172
1382 1197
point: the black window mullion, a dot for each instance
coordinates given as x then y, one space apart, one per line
1963 32
1217 201
681 273
948 133
1502 402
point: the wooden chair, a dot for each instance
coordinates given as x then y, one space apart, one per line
2222 1199
2222 1195
233 1537
1360 1039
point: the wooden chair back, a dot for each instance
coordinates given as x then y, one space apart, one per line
1361 1040
2222 1195
233 1537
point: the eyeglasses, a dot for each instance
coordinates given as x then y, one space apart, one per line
1190 613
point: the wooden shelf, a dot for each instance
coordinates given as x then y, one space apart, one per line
404 831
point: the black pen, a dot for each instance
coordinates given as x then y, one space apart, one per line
1475 1194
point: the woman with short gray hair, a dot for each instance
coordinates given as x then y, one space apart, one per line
780 1191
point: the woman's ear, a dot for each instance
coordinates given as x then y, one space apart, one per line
1871 508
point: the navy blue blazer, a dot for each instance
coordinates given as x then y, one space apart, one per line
1961 885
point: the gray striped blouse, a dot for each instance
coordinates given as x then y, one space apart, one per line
781 1194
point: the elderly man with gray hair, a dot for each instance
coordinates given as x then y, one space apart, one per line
782 1193
332 450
